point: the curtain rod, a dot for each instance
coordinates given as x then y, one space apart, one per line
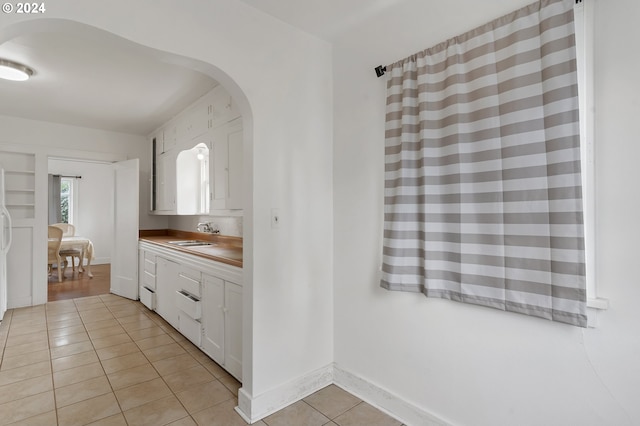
75 177
381 69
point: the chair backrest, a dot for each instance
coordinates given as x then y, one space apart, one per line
68 230
53 246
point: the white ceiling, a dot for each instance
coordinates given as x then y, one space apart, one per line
99 81
326 19
102 81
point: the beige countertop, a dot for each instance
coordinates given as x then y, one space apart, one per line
224 249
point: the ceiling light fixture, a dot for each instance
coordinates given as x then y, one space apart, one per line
14 71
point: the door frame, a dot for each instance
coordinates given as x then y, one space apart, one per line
40 280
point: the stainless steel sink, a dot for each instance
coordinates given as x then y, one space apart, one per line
190 243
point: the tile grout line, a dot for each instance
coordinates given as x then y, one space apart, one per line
101 365
53 385
144 355
151 364
155 321
166 328
13 383
148 360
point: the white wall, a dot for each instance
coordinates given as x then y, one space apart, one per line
465 364
283 79
228 225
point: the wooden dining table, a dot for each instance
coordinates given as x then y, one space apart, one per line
85 245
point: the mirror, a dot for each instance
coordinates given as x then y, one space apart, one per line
192 178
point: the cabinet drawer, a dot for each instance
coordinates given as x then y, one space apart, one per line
189 304
189 282
190 328
150 265
149 280
148 297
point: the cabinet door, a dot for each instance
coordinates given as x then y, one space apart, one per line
227 166
233 329
170 137
221 107
235 169
161 175
166 285
213 318
197 121
219 167
166 181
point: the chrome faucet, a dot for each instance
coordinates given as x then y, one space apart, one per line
203 227
209 227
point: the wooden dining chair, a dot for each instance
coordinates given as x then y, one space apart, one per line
53 251
68 230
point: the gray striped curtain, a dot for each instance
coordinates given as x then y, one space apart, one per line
55 213
483 192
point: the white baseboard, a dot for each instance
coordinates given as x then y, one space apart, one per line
254 408
20 302
384 400
99 261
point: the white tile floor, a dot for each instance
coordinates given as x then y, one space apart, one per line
105 360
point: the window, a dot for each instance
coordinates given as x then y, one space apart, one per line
68 199
483 198
584 46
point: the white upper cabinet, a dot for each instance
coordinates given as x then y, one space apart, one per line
227 166
196 120
212 122
166 183
221 108
170 137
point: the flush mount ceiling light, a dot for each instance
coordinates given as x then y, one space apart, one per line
14 71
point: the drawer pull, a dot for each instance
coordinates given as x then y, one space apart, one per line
189 304
189 295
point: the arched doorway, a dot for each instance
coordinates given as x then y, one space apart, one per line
76 29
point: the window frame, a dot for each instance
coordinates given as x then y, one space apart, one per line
73 198
584 29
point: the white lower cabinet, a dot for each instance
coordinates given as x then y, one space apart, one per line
213 318
222 321
200 298
190 328
148 298
166 286
147 278
233 329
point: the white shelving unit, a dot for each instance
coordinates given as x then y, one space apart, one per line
20 189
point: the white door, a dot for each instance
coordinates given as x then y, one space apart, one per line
124 255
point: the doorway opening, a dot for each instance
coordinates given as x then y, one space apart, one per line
81 196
